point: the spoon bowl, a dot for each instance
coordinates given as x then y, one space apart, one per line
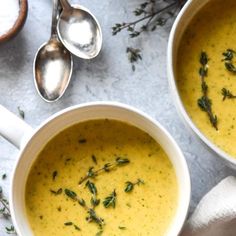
53 69
53 65
79 31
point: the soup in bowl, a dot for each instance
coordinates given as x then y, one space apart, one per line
101 168
201 59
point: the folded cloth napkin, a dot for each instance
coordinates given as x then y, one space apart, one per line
215 215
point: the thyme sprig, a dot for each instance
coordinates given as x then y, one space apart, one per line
106 168
227 94
92 216
4 206
5 212
110 200
130 185
151 13
228 58
134 55
205 102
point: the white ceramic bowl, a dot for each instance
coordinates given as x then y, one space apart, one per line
190 9
32 141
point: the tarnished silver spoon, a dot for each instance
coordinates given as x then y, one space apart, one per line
53 64
79 31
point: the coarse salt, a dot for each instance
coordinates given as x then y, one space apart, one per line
9 11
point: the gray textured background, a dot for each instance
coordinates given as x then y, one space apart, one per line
108 77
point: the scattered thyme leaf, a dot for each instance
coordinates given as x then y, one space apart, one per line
121 227
228 58
71 194
227 94
68 223
82 140
10 230
110 200
4 176
134 55
54 174
21 113
129 185
94 159
56 192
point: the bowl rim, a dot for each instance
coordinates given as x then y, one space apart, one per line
183 202
225 157
19 23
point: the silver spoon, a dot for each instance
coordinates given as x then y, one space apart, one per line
79 31
53 65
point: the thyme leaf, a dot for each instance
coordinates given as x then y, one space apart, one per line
21 113
10 230
228 58
56 192
227 94
110 200
92 188
130 186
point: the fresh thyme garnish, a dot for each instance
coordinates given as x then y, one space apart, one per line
150 15
92 216
94 159
204 102
99 233
56 192
21 113
228 58
133 55
10 230
130 186
110 200
5 212
71 194
4 206
92 188
69 223
54 174
82 140
107 167
227 94
4 176
121 227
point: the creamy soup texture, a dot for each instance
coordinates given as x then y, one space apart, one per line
213 31
147 209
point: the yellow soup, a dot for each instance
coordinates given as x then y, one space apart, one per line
101 177
212 31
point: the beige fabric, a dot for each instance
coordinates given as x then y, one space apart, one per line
215 215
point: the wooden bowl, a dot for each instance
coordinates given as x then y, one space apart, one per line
19 23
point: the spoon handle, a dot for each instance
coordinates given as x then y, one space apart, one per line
65 4
54 18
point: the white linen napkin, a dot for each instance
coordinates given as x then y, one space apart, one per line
215 215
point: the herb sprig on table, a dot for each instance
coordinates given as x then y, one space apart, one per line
205 102
5 212
149 15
